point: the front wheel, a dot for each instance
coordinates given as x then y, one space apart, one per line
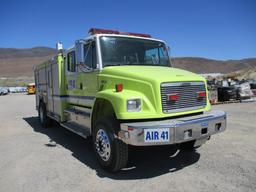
111 153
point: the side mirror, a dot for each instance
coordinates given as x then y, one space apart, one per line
79 51
172 60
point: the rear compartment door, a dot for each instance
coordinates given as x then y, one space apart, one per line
50 104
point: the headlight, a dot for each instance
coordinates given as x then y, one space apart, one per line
133 105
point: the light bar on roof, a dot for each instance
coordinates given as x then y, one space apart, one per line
138 34
94 31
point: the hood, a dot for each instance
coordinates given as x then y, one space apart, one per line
152 73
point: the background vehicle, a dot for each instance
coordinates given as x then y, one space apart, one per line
17 89
120 89
3 91
243 91
253 84
227 93
31 89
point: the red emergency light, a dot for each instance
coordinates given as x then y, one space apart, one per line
94 31
201 94
172 97
136 34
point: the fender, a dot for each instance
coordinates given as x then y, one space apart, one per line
119 101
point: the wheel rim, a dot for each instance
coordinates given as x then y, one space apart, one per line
41 114
102 144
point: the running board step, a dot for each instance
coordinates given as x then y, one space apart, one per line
76 128
79 116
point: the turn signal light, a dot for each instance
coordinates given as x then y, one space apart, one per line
119 87
201 94
173 97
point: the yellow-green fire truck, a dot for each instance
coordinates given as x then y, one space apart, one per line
121 89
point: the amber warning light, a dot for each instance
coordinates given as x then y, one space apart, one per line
119 87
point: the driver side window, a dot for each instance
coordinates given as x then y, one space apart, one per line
71 61
90 55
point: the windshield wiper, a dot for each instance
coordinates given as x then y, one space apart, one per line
110 65
138 64
148 64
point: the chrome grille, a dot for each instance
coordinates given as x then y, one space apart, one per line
187 100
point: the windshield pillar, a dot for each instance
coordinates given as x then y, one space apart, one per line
98 52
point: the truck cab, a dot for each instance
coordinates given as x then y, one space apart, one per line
121 89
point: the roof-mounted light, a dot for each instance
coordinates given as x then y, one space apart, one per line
139 35
94 31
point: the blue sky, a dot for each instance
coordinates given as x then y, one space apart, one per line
217 29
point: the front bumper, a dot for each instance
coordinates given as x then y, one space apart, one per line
200 127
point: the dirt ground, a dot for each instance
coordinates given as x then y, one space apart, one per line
36 159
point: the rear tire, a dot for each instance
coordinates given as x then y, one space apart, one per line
111 153
43 118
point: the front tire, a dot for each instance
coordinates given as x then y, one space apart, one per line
111 153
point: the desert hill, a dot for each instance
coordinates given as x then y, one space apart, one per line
203 65
19 62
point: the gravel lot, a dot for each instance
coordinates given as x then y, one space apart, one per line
36 159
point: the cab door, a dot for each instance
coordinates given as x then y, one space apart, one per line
72 88
88 74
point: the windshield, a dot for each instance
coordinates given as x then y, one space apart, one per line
133 51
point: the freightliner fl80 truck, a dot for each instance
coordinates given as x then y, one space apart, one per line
121 89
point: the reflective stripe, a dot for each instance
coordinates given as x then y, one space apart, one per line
75 97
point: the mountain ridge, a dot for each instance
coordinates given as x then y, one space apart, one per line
15 62
38 51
